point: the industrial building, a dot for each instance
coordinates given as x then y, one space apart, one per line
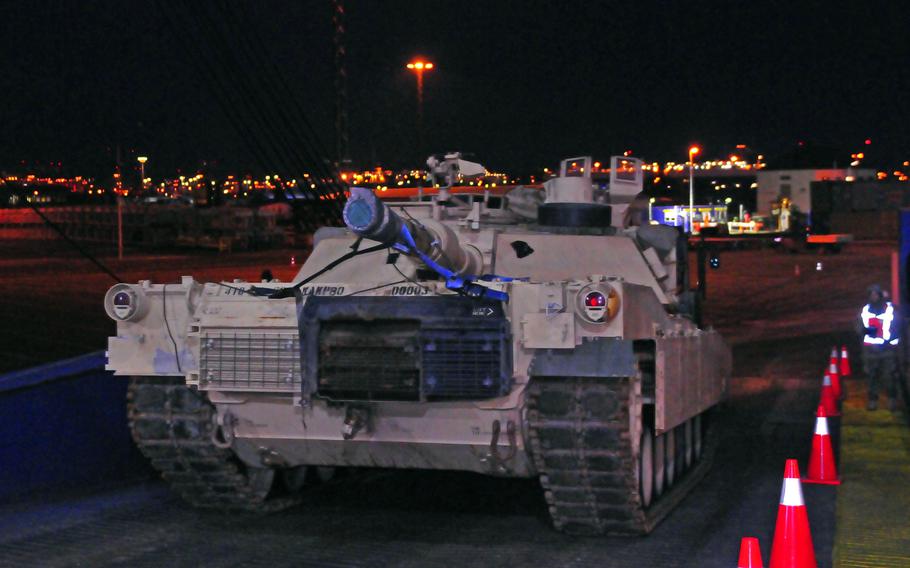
796 184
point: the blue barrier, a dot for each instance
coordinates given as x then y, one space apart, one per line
64 425
904 257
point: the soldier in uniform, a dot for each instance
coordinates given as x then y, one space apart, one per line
879 330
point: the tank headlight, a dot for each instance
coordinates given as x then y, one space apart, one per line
124 302
597 303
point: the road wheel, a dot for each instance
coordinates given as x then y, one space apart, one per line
294 478
660 470
261 480
646 468
670 460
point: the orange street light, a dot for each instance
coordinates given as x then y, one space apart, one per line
419 66
142 160
693 150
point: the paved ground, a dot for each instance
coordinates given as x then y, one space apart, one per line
781 327
433 519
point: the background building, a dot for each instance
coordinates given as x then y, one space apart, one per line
797 185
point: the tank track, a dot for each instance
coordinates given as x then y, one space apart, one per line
580 439
172 426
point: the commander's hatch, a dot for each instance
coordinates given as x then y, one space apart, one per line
626 181
576 167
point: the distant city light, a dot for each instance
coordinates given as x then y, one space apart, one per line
199 186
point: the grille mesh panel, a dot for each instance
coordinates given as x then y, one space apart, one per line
462 364
400 360
247 361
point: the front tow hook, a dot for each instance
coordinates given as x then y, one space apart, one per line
355 418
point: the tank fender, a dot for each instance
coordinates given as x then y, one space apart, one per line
598 357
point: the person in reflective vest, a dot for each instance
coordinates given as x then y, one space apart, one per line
879 330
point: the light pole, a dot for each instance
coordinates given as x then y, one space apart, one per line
418 66
142 160
693 150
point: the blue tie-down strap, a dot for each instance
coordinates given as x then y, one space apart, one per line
465 284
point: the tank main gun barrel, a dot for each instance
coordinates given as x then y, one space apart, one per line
436 244
370 218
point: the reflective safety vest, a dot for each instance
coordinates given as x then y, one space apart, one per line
879 326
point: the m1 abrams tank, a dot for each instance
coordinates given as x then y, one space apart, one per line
553 337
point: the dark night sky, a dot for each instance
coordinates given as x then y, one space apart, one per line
520 84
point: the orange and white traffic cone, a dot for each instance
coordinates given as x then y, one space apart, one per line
844 362
821 460
749 554
792 546
845 371
835 373
828 401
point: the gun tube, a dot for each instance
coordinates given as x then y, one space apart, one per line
368 217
